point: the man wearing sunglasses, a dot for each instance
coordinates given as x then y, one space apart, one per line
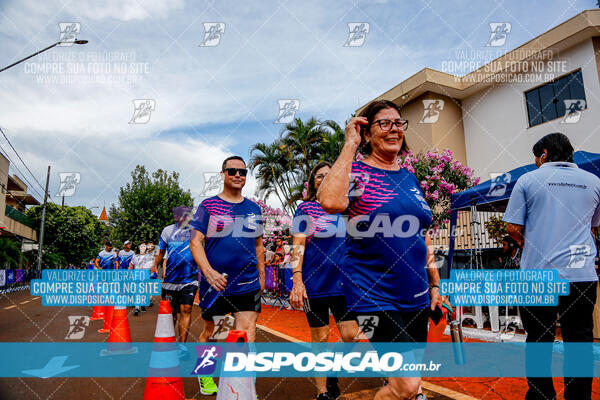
227 239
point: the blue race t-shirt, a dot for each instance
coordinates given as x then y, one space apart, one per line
386 254
125 258
180 268
230 230
558 204
91 264
324 250
107 259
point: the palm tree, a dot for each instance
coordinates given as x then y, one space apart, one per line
284 165
303 140
333 141
10 252
267 158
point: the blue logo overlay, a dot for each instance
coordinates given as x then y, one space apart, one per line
81 360
95 287
207 360
499 287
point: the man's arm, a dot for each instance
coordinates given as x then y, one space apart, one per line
260 257
516 232
117 263
157 259
97 263
214 278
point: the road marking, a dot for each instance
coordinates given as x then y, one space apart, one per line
9 307
35 298
278 334
427 385
446 392
25 302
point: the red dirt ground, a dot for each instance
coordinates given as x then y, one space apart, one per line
294 324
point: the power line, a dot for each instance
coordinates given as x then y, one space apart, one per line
12 147
26 167
19 171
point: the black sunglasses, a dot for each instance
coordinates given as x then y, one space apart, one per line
234 171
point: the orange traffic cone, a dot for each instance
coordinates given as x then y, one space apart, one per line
119 339
237 337
241 388
164 380
436 331
108 315
97 313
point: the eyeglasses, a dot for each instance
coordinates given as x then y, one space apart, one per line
234 171
386 124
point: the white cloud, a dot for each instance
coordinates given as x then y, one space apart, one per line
124 10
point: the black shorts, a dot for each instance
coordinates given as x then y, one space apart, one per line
185 295
232 304
395 326
317 310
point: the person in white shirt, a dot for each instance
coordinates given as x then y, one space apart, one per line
143 260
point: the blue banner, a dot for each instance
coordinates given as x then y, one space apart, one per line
95 287
497 287
297 359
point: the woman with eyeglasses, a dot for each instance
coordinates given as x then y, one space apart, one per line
388 282
318 245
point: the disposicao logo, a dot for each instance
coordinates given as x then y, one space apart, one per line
207 360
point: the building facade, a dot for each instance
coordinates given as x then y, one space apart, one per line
13 202
491 117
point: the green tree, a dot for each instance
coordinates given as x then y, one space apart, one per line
10 252
145 206
71 234
284 165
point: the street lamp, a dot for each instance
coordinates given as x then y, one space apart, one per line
77 41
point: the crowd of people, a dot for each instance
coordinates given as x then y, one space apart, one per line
383 276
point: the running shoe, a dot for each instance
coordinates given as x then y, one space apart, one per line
421 396
324 396
143 309
136 312
208 387
332 387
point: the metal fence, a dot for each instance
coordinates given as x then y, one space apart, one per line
462 232
18 216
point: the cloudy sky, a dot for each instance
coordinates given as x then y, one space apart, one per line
72 107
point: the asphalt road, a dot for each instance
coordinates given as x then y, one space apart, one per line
24 319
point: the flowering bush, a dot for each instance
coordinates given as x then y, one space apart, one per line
440 176
275 222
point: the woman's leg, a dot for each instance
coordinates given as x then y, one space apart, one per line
320 335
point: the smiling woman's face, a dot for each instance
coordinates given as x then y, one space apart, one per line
385 142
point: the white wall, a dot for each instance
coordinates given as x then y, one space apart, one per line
497 136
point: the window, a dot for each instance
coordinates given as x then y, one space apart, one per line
551 100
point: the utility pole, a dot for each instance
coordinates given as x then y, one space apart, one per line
41 241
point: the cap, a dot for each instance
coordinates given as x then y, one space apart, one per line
126 242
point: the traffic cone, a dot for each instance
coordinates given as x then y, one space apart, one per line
239 388
164 362
108 315
436 331
119 339
97 313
